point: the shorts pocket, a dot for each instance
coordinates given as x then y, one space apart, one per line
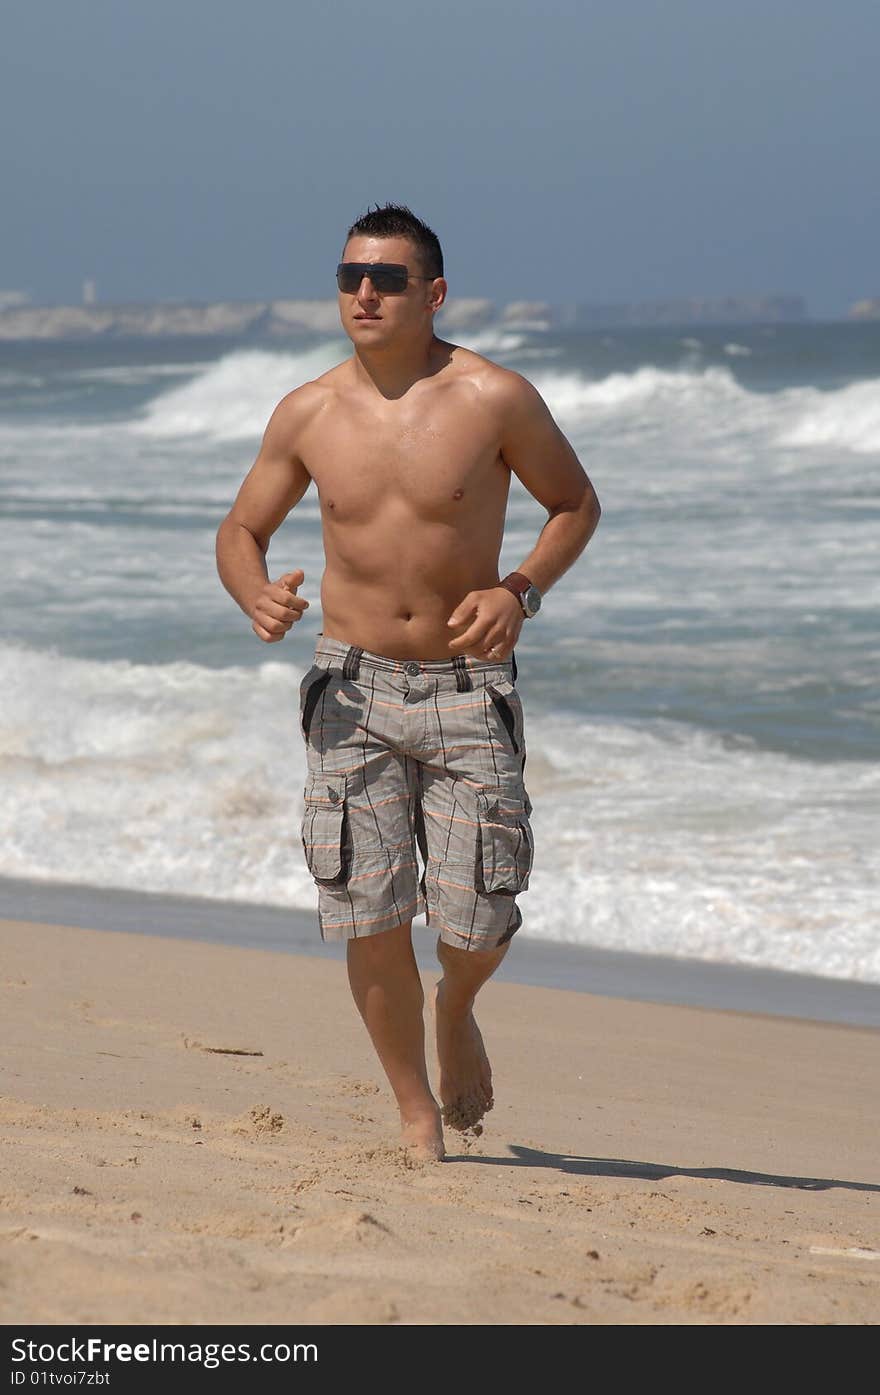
324 832
506 843
506 701
310 690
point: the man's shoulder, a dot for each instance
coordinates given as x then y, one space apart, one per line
302 403
502 387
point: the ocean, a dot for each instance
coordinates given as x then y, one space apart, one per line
701 689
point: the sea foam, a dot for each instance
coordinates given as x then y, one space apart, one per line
232 400
650 836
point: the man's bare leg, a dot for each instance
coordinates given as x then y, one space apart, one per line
385 982
465 1073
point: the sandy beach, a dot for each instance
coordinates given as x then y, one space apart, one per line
199 1133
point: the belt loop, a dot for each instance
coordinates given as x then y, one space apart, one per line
463 681
351 667
513 661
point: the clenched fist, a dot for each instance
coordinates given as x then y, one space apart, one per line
493 618
277 607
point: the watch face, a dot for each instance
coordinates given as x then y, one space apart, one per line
531 601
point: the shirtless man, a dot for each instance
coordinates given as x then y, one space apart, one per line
412 721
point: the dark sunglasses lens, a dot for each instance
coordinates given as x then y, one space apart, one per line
385 277
348 277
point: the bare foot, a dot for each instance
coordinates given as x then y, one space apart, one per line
422 1136
465 1073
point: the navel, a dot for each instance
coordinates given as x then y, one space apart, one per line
458 494
331 504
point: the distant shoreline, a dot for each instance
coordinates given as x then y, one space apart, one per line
286 318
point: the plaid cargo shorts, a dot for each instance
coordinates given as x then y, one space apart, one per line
408 758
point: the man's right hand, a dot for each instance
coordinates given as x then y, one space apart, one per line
277 607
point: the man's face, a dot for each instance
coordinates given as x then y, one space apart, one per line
371 318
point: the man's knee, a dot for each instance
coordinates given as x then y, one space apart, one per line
384 943
469 962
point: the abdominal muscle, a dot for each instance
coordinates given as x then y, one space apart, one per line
391 587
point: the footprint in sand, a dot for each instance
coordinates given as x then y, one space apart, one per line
260 1121
340 1231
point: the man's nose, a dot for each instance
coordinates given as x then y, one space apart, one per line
366 290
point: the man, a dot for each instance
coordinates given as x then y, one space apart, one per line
412 721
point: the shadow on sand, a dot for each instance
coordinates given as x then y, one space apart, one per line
656 1172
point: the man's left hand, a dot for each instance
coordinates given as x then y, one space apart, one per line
494 619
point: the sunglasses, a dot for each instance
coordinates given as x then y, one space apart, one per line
388 278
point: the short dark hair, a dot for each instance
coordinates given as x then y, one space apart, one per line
396 220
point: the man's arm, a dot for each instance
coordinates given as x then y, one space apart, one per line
276 482
537 452
539 455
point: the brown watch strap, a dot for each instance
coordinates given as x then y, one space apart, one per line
515 582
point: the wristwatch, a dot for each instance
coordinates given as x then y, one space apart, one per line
528 595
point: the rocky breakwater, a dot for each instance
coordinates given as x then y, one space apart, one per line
246 319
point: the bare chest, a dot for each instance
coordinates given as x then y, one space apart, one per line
431 463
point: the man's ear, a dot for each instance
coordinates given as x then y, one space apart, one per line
439 289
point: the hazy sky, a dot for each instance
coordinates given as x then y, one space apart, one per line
561 149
